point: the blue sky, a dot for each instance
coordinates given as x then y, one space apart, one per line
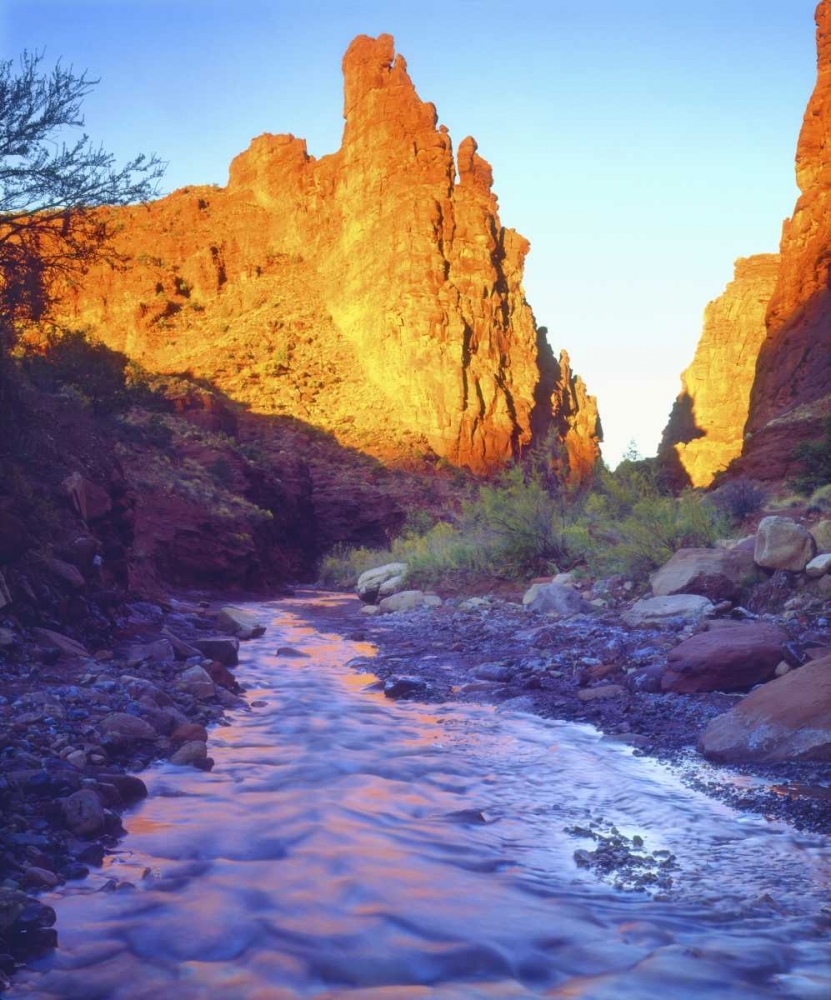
641 145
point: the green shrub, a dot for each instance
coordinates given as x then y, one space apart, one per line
815 457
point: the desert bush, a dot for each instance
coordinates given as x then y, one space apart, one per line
739 498
815 458
628 525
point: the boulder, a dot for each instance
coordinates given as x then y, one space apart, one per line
554 598
7 638
90 500
159 651
659 610
197 682
822 535
65 645
119 727
783 544
371 581
70 574
711 573
392 585
194 753
819 565
241 623
223 649
784 720
407 600
728 659
83 813
189 732
138 687
370 610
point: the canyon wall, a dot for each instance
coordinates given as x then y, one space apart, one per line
792 389
373 292
765 353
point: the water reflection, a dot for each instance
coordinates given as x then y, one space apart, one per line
348 846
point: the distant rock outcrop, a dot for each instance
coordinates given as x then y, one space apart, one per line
706 427
788 359
373 292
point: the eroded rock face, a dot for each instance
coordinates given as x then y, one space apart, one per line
706 427
761 379
792 389
373 292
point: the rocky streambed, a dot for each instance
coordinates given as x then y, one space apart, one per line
654 687
75 730
351 841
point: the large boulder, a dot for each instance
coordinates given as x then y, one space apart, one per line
787 719
239 622
660 610
783 544
121 728
222 648
196 681
554 598
90 500
711 573
83 813
728 659
370 582
407 600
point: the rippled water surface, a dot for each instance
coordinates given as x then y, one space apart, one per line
336 851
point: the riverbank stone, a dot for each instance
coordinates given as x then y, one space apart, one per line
661 610
783 544
711 573
727 659
788 719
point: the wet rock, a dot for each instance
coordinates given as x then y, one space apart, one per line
197 682
711 573
554 598
84 813
370 582
371 610
289 651
139 687
41 878
194 753
119 727
223 649
130 787
729 659
661 610
159 651
7 638
785 720
407 600
221 676
402 687
783 544
189 732
239 622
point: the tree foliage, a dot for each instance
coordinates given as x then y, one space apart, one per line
54 183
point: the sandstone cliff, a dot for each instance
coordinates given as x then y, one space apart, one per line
765 353
706 427
792 389
373 292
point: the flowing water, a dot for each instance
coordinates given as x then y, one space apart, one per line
350 846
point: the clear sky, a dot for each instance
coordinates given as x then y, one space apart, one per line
641 145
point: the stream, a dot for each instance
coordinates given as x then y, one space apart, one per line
347 845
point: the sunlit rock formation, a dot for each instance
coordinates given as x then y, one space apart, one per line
706 427
771 365
373 292
792 390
